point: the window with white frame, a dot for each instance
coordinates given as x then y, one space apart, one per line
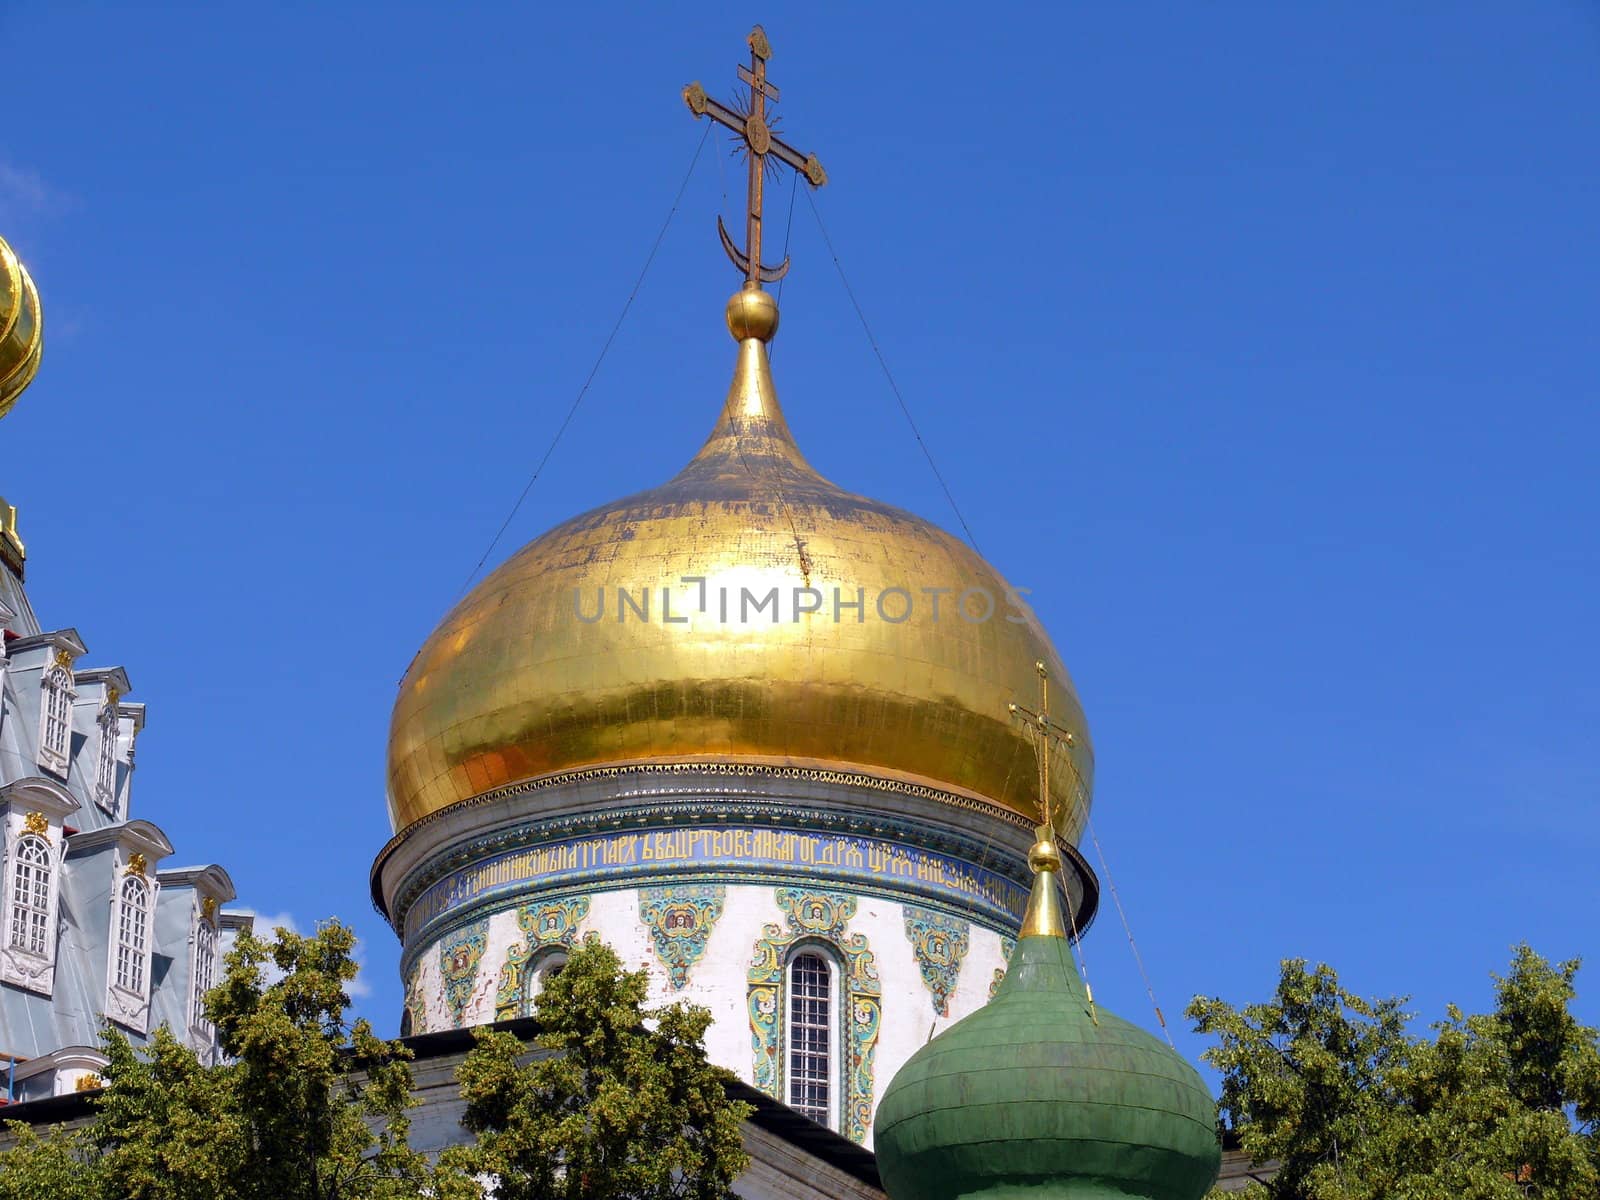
546 969
30 896
105 774
205 973
811 1035
133 934
55 718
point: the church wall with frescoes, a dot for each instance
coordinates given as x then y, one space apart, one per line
903 906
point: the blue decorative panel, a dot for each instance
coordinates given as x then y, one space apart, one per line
680 918
459 957
940 943
544 924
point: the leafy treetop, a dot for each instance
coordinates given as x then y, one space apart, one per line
1335 1092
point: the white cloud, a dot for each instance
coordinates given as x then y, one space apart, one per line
358 988
267 923
24 193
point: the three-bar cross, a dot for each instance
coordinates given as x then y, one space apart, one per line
1047 734
759 142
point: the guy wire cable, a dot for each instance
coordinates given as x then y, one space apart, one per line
594 370
788 228
1072 909
889 375
1128 929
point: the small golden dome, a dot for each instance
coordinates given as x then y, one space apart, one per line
676 625
21 329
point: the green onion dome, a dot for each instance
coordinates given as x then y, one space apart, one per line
1039 1096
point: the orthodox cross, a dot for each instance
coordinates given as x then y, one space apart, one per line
1047 735
760 143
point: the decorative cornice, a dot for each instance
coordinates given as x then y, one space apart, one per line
646 770
67 1058
710 810
211 880
114 678
61 639
140 835
38 792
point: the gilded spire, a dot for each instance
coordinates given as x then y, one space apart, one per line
21 329
1044 915
751 437
752 123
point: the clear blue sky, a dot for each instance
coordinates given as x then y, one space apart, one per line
1259 340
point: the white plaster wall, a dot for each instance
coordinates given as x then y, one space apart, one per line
719 980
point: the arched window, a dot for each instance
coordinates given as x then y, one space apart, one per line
205 973
811 1036
544 970
405 1022
105 774
30 897
55 723
133 934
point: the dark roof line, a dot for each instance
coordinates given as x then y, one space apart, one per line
770 1115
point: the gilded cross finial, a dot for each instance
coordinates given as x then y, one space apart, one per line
1046 916
1047 734
760 143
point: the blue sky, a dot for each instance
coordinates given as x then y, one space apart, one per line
1259 340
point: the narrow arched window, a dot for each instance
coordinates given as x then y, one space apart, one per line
105 774
55 723
133 923
811 1034
205 973
546 969
30 897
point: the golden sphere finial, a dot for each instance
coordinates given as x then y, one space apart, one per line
1044 856
21 329
752 313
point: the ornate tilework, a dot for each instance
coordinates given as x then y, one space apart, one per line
680 918
820 916
415 1005
459 957
544 924
1007 945
940 943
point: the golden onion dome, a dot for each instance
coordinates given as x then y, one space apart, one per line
677 625
21 329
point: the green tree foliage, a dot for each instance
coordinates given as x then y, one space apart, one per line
307 1106
320 1104
57 1165
1350 1105
617 1103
